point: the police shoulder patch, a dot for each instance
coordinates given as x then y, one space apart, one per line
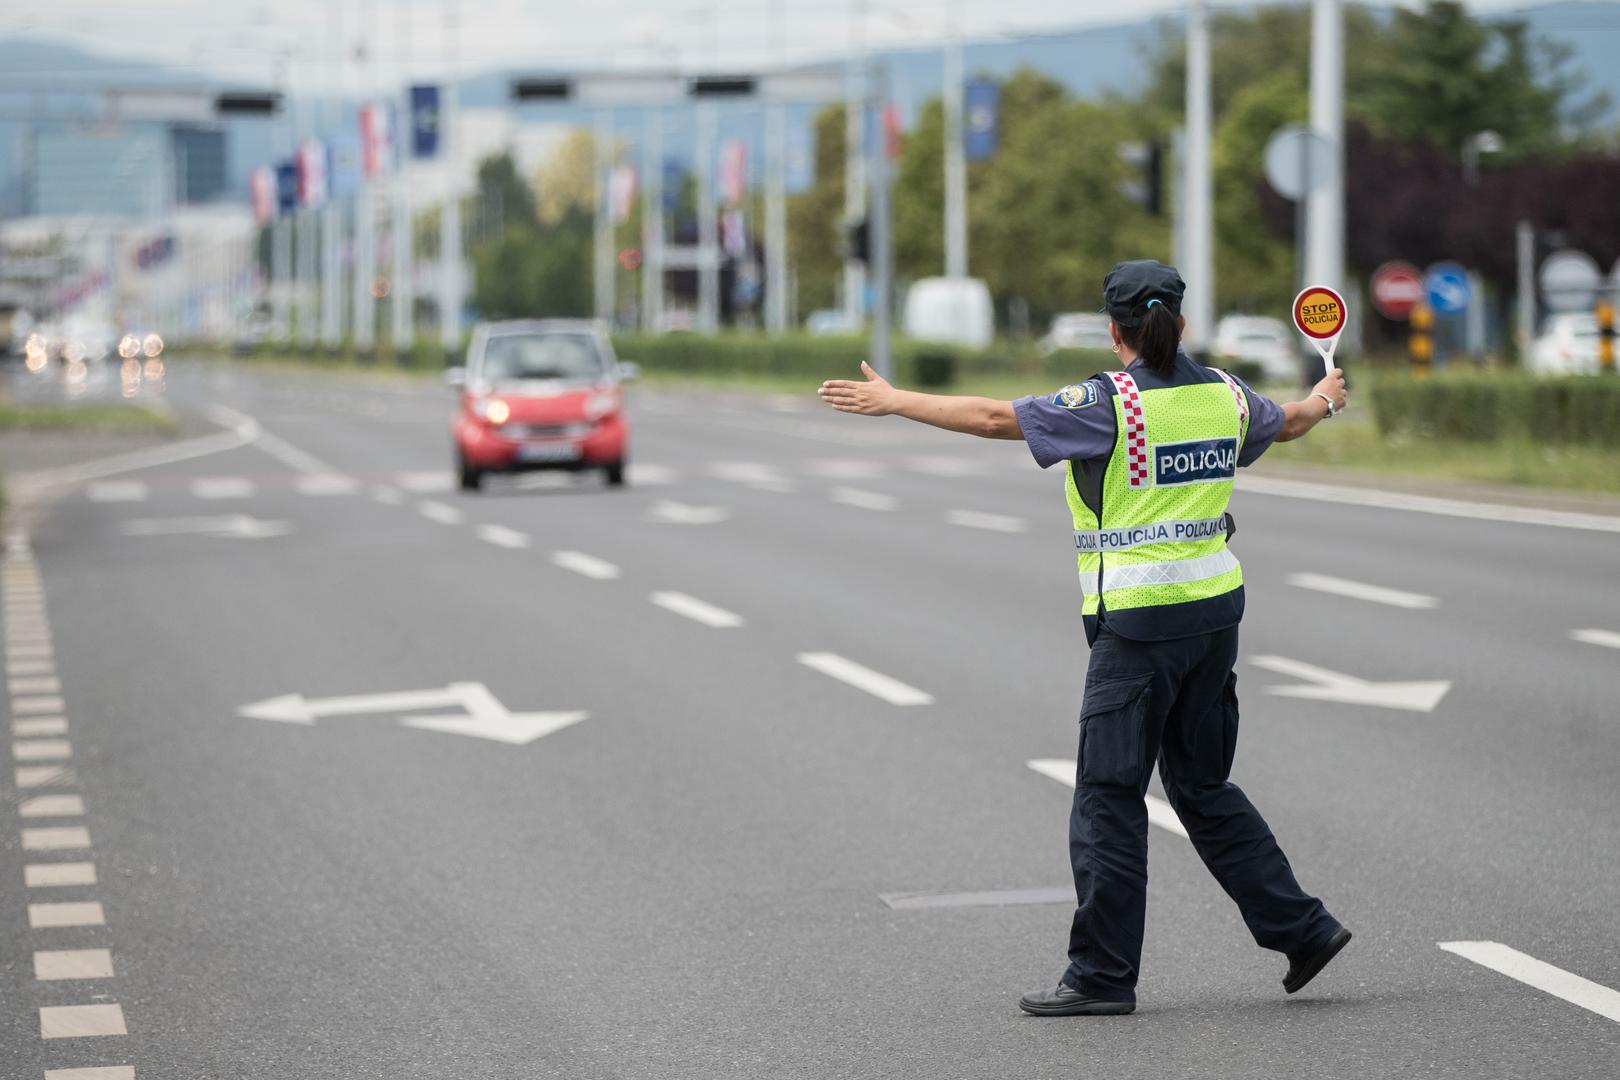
1077 396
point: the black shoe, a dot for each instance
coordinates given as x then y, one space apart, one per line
1066 1001
1304 969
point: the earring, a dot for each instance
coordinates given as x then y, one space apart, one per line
1116 349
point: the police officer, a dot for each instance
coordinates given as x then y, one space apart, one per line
1149 454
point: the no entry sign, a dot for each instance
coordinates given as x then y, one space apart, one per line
1397 288
1319 314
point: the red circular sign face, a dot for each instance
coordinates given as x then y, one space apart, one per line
1397 288
1319 312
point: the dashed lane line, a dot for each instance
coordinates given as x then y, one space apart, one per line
976 519
1159 812
41 749
81 1021
102 1072
864 678
863 500
1357 590
33 776
586 565
387 496
501 536
54 875
56 838
52 806
1608 638
41 684
426 482
320 484
109 491
443 513
697 610
40 725
1594 997
55 964
222 487
53 914
34 705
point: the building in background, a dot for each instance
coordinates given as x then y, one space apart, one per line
136 170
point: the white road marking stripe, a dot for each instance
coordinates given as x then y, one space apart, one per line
56 838
753 474
35 705
501 536
40 725
697 610
1597 637
49 875
440 512
423 483
100 1072
41 749
589 565
864 500
81 1021
1594 997
291 456
1426 504
861 677
106 491
640 475
1356 590
39 685
51 806
30 776
1159 812
387 496
16 650
29 667
326 484
974 519
222 487
53 964
74 913
243 431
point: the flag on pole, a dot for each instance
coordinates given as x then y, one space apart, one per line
262 190
982 109
343 166
375 139
311 173
733 171
425 121
621 192
287 186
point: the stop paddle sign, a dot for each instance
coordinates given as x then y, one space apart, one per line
1397 288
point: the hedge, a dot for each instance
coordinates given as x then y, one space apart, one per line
1564 409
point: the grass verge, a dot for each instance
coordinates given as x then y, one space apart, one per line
135 419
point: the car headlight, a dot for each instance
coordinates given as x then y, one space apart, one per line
152 346
493 410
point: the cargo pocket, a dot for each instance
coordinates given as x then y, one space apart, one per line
1112 723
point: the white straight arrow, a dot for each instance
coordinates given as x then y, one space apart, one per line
1325 685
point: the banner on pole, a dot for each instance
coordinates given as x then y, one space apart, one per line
621 192
262 191
311 174
733 171
674 184
343 167
375 139
425 121
981 119
287 186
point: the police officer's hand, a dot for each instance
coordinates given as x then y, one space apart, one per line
874 397
1333 386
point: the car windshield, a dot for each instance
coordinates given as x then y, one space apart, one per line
521 357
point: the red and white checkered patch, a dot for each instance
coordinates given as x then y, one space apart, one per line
1242 403
1130 404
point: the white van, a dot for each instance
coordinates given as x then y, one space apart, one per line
953 310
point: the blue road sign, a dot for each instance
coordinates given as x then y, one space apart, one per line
1447 286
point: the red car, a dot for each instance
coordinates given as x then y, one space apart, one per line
540 394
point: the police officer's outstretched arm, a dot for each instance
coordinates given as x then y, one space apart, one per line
985 417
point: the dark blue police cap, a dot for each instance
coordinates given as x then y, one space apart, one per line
1130 285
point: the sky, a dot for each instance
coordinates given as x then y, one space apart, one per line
319 43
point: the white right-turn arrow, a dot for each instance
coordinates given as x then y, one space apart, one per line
1325 685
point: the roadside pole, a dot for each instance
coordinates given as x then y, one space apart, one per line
602 247
855 159
1526 237
450 212
1325 205
882 234
708 223
775 217
1198 304
956 240
652 222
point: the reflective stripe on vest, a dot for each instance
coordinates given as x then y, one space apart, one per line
1157 533
1177 572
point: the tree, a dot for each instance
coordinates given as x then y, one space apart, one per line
566 180
816 217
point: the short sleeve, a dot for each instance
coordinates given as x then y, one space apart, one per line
1265 424
1075 423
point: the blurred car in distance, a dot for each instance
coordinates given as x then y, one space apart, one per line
956 311
831 322
1076 330
539 394
1261 340
1568 345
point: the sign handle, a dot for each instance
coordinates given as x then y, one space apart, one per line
1326 349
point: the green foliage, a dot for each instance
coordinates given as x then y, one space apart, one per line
815 218
1576 410
522 267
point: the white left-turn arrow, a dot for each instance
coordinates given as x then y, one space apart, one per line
482 716
1325 685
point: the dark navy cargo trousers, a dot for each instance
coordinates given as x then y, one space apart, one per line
1174 702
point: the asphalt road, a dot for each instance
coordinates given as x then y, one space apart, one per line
707 875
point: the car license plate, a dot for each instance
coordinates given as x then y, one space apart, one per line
548 452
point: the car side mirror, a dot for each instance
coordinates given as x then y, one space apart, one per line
629 372
455 376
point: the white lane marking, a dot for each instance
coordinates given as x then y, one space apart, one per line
35 685
16 650
222 487
106 491
32 776
1325 685
425 483
41 749
291 456
99 1072
40 725
1356 590
1594 997
36 705
50 875
81 1021
974 519
675 513
1426 504
29 667
56 838
861 677
588 565
845 469
864 500
639 475
51 806
754 474
387 496
53 964
440 512
1597 637
697 610
326 484
949 467
225 527
47 916
1159 812
243 431
501 536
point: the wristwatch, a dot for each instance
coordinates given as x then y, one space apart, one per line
1333 410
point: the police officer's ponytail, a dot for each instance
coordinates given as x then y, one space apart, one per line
1155 337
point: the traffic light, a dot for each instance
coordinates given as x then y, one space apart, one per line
857 241
246 103
1146 188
